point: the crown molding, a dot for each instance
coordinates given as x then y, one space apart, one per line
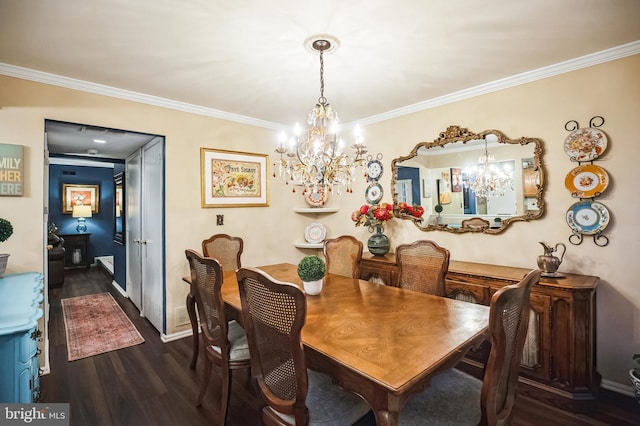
607 55
114 92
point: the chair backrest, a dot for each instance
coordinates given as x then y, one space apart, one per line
343 255
508 325
273 315
475 223
226 249
206 279
423 266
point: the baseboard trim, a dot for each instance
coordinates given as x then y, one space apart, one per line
120 289
175 336
617 387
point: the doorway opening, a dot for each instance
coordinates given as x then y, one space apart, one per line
120 175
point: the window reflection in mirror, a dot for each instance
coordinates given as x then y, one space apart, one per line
118 217
484 175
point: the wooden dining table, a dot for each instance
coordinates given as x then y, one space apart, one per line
383 343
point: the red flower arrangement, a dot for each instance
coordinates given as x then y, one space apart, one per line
405 209
374 215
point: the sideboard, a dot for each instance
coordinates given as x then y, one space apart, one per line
559 361
21 296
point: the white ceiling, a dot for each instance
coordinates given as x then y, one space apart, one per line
246 59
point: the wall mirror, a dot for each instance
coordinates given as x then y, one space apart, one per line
118 210
471 182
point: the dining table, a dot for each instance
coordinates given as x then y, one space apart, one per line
383 343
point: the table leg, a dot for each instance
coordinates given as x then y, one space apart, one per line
191 310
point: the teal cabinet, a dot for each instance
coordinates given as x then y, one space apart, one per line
21 297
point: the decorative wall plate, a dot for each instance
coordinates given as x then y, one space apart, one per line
315 233
315 198
588 217
586 181
585 144
374 170
373 193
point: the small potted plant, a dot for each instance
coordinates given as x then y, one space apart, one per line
6 230
497 222
634 376
311 270
438 208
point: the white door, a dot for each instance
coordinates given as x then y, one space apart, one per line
152 244
403 189
133 228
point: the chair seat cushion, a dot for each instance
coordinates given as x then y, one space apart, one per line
452 398
330 405
239 347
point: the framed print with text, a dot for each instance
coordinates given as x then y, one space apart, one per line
233 179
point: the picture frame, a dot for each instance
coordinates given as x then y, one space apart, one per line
444 190
74 194
233 179
456 180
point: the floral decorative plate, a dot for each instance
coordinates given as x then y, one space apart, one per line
315 233
586 181
315 197
585 144
588 217
373 193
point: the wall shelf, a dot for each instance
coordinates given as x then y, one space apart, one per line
309 245
316 210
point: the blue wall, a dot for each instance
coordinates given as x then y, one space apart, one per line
412 173
100 225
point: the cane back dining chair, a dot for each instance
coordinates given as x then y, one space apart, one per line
343 255
225 342
274 313
475 223
454 397
423 266
226 249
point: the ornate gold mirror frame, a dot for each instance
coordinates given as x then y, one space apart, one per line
443 170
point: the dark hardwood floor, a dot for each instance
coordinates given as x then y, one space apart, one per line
152 384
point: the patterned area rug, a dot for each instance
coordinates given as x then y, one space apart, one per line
96 324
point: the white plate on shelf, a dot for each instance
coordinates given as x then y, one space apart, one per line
315 233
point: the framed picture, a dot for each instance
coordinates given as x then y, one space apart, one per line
456 180
426 188
444 190
233 179
74 195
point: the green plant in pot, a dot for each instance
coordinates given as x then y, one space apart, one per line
6 230
438 208
311 270
634 376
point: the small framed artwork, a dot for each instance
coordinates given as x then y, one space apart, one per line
456 180
444 190
426 188
233 179
78 195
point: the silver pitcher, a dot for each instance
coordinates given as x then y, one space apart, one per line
547 262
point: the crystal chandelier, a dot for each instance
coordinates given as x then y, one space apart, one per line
314 157
488 179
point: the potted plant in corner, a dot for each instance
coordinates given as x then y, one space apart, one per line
311 270
6 230
634 375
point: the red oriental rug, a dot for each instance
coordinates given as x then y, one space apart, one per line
96 324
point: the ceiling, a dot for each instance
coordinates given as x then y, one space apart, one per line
247 60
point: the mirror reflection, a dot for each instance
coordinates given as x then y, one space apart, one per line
118 224
471 182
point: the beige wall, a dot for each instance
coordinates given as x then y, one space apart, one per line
539 109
